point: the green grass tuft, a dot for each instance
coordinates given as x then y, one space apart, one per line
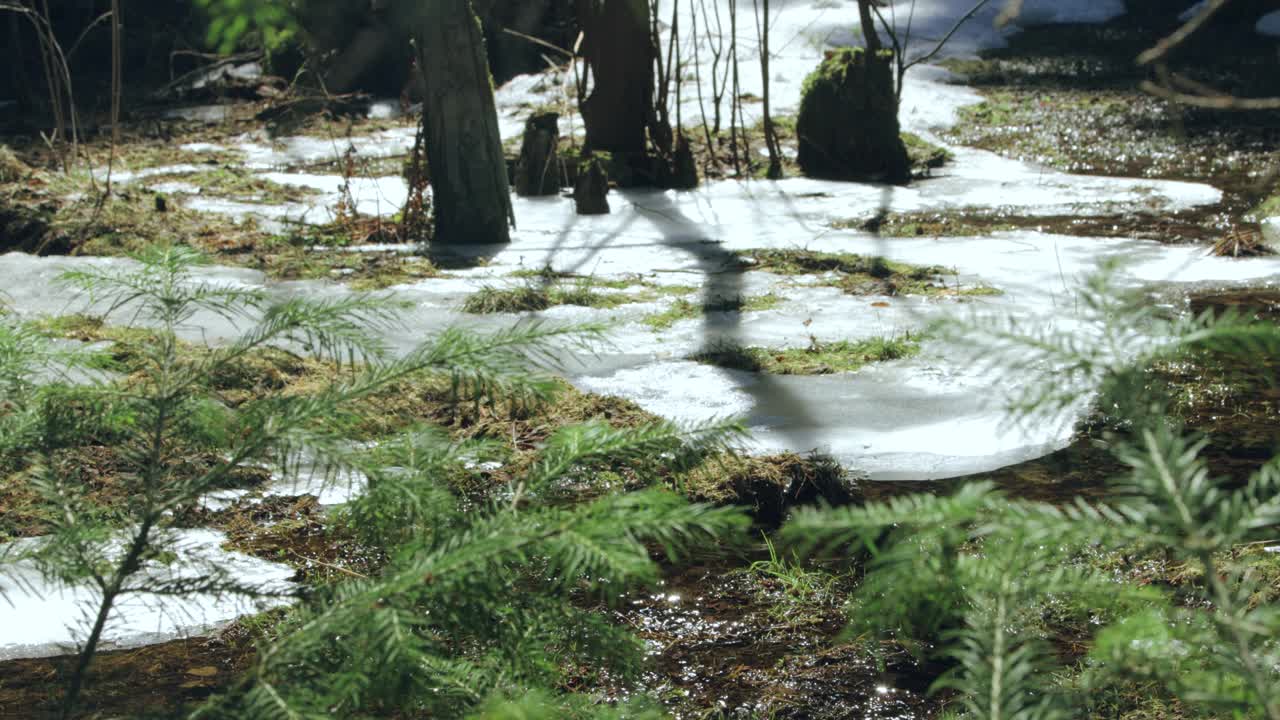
862 275
818 359
683 309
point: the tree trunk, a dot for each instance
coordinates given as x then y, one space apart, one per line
619 52
869 34
469 187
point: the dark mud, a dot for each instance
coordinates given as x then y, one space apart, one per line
723 646
157 681
1069 97
1200 225
1233 402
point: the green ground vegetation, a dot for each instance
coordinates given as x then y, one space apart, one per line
544 288
190 419
862 275
684 309
819 358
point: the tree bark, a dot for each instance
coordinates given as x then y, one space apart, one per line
469 186
619 51
869 34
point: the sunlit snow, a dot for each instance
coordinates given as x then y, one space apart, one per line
929 417
41 618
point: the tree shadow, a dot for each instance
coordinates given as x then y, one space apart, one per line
723 293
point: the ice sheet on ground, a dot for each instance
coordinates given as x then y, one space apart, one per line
243 71
1192 10
42 619
1269 24
124 176
670 237
692 238
330 489
1271 233
262 153
34 288
208 114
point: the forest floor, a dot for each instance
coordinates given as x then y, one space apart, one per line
748 632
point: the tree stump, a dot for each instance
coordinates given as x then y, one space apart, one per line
590 192
848 122
684 169
537 169
29 230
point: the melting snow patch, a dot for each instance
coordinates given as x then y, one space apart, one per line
129 176
1269 24
44 619
202 147
208 114
1271 233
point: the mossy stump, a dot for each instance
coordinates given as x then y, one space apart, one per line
684 169
591 190
537 170
848 123
12 169
29 230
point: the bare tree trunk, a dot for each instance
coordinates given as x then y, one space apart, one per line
619 50
737 129
868 25
469 186
770 134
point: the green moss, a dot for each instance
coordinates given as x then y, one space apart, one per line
549 276
817 359
683 309
1268 208
862 275
127 344
292 259
519 299
831 69
1121 131
238 183
924 155
529 298
11 168
768 485
939 224
550 288
804 262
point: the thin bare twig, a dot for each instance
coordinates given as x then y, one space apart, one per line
539 41
1179 36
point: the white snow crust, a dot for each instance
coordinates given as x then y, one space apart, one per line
42 618
928 417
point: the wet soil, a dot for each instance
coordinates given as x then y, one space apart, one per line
719 644
723 647
1069 97
157 681
1201 225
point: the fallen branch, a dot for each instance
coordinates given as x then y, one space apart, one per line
1179 36
1217 101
